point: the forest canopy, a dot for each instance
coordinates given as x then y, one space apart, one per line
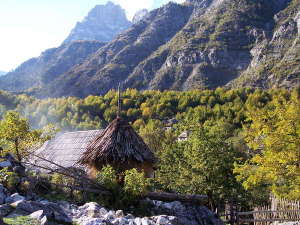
241 144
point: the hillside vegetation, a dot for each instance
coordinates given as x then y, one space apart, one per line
243 144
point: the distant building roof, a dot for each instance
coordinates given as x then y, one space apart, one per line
184 136
170 122
66 148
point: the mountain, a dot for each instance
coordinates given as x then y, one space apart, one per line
103 23
139 15
216 45
45 68
114 62
2 73
198 44
275 54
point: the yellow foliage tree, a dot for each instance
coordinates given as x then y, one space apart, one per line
274 137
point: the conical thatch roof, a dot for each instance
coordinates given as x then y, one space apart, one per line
118 144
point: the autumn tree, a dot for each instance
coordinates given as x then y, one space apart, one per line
18 137
274 137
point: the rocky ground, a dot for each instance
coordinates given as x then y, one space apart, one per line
54 213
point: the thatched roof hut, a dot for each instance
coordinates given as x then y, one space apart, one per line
121 147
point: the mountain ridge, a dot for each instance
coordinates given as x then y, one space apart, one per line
196 45
45 68
139 15
103 23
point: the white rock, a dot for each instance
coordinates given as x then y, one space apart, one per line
90 205
44 221
145 221
120 213
172 218
38 215
138 221
120 221
129 216
103 211
115 222
123 221
111 215
91 209
14 198
15 204
162 220
94 221
131 222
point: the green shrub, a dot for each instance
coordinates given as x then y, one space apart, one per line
9 179
135 183
107 177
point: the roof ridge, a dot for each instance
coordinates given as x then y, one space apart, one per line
82 131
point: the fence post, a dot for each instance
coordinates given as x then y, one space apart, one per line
237 218
232 220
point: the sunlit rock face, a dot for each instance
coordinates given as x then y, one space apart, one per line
139 16
103 23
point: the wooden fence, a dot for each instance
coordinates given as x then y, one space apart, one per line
266 217
279 210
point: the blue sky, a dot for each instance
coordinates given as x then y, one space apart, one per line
28 27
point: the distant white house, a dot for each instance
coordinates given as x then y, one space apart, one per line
184 136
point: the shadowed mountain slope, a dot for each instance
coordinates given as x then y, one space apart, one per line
198 44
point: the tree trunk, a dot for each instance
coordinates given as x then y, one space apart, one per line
17 149
211 202
163 196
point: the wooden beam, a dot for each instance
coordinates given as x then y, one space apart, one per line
164 196
266 211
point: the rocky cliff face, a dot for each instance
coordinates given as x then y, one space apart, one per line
103 23
214 48
199 44
40 71
276 52
139 15
117 60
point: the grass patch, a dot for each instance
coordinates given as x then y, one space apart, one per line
20 220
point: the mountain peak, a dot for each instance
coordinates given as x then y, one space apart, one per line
139 15
103 23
